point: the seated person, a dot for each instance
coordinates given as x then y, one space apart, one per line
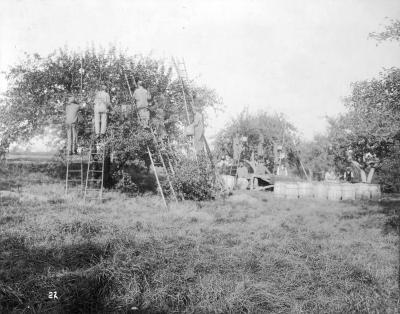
330 176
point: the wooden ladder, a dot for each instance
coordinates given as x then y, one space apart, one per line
156 145
95 169
71 181
234 167
180 67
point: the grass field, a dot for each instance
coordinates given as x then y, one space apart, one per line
250 253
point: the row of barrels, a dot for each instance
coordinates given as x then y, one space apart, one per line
327 191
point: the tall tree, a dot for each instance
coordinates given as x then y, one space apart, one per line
39 86
260 128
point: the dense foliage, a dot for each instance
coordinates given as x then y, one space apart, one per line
369 131
269 130
317 156
194 179
39 87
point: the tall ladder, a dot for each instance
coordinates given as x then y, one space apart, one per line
72 181
180 67
95 171
151 156
234 167
181 71
159 152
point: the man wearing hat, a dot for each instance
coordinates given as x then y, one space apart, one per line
102 103
142 97
71 119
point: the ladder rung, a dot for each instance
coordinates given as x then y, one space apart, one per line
74 189
94 180
99 171
74 170
74 180
93 190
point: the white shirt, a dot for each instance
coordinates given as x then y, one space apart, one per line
142 97
101 101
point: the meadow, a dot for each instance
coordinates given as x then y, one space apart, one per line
247 253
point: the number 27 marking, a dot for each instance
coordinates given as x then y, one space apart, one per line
53 295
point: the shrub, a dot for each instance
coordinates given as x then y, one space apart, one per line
194 180
125 183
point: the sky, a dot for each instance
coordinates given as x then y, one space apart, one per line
297 57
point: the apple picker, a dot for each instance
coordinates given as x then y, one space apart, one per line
71 119
142 97
102 104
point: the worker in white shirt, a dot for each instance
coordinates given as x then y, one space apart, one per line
71 120
142 98
102 104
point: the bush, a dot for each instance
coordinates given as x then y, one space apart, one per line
194 180
125 183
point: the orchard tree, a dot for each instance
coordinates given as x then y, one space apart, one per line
317 155
391 32
39 86
367 134
260 128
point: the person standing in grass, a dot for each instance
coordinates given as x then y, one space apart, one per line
102 104
71 120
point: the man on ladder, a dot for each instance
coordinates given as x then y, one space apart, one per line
102 104
196 129
141 97
71 120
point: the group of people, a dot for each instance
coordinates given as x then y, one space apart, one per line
348 175
102 105
142 101
250 173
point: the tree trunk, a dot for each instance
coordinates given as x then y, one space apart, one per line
362 172
370 175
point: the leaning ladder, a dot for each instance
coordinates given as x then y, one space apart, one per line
95 166
152 159
180 67
158 149
71 182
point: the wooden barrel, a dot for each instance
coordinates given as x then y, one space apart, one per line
348 192
242 183
320 191
292 190
229 182
305 190
334 192
280 189
375 191
362 191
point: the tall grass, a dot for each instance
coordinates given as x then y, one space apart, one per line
250 253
